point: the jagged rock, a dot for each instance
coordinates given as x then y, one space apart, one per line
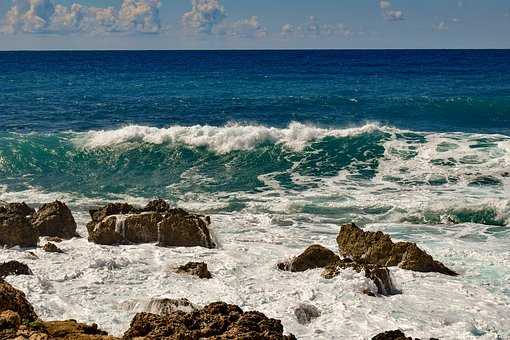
15 300
215 321
123 223
9 320
168 306
14 268
52 248
305 313
17 230
54 330
378 274
17 209
195 268
378 248
181 229
315 256
55 219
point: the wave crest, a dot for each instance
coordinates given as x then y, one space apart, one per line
232 137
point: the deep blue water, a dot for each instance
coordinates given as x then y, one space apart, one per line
265 123
419 90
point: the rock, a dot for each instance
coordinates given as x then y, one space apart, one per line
305 313
71 329
55 219
17 209
14 268
17 230
195 268
394 335
122 223
181 229
52 248
168 306
15 300
315 256
217 320
378 248
54 239
378 274
158 205
9 320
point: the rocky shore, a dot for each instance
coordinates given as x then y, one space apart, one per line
369 253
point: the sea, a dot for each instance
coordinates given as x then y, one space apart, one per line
280 148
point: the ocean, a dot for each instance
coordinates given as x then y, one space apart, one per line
279 148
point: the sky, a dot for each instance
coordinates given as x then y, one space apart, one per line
253 24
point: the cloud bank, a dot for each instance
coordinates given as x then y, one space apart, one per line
313 28
43 16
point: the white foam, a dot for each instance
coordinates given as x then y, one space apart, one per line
219 139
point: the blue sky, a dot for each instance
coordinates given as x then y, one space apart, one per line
218 24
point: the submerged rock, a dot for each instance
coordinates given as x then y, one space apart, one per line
55 219
14 268
52 248
315 256
217 320
122 223
305 313
16 301
378 274
17 230
378 248
195 268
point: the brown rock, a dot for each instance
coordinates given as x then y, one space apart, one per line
195 268
15 300
110 209
52 248
215 321
9 320
14 268
17 230
180 229
315 256
54 239
158 205
394 335
378 248
55 219
17 209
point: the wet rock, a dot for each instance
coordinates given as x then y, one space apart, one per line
122 223
54 239
17 230
315 256
55 219
169 306
181 229
394 335
53 330
378 248
17 209
378 274
196 269
52 248
158 205
9 320
217 320
14 268
305 313
16 301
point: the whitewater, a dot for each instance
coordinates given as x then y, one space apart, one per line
271 192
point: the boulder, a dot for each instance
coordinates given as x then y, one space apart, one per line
157 222
9 320
17 230
196 269
315 256
55 219
17 209
378 274
305 313
14 268
52 248
378 248
14 300
217 320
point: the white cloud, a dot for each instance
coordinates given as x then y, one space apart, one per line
442 26
209 17
43 16
389 13
313 28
